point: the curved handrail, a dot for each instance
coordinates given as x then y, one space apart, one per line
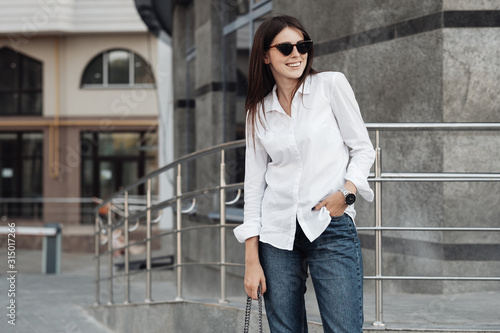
159 206
191 156
369 126
235 200
378 177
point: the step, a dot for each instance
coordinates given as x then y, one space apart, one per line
206 316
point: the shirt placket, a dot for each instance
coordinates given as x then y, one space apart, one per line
295 151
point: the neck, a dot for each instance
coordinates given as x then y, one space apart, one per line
285 90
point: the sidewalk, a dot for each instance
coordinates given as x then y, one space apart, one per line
50 303
57 303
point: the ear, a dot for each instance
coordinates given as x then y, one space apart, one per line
266 59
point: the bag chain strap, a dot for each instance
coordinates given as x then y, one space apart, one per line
248 309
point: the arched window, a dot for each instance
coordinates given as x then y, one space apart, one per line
117 69
20 84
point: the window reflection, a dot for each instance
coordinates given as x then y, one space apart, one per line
9 69
111 161
20 84
235 8
21 165
143 74
8 103
30 101
117 68
94 72
238 42
238 8
119 144
236 74
31 74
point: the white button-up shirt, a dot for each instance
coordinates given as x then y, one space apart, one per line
299 160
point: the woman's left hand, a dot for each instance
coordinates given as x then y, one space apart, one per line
335 204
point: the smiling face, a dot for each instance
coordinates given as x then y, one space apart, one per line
286 68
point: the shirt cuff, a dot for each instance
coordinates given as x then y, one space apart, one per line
248 229
361 183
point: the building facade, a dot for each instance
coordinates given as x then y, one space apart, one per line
407 61
78 108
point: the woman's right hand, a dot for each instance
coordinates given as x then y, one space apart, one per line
254 276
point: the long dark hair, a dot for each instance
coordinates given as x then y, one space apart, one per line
260 77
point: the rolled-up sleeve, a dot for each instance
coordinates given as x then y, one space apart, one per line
354 134
256 160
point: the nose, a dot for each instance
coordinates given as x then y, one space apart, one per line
295 51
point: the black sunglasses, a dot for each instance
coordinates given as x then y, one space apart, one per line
286 48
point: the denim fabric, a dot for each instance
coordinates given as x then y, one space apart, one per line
336 268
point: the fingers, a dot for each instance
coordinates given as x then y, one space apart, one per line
254 277
252 291
251 286
320 205
263 286
333 203
325 202
248 290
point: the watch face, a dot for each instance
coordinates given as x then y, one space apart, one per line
350 199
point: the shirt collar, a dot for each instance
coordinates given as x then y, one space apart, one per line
272 103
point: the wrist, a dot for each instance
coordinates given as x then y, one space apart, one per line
349 196
252 262
252 250
349 185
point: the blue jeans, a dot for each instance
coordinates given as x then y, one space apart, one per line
336 268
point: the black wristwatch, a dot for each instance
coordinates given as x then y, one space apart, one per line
350 197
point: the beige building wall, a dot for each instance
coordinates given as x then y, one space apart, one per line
65 36
121 103
73 53
64 59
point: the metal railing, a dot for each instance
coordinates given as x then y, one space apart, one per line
378 177
77 209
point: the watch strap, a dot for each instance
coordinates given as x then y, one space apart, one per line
345 191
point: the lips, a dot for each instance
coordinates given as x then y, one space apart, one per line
294 64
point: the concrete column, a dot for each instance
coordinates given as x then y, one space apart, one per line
471 73
67 185
422 61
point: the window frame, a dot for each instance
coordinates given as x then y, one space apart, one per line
105 85
95 158
18 91
255 12
20 160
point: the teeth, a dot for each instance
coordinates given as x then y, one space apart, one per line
294 65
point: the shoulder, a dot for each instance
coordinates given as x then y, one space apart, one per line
328 81
328 77
268 100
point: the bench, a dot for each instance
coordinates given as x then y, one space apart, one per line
52 244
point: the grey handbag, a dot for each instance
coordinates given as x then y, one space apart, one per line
249 308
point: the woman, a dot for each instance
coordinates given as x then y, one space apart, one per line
308 154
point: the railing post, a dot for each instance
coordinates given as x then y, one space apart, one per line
97 262
148 242
179 235
110 256
379 321
127 252
222 228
